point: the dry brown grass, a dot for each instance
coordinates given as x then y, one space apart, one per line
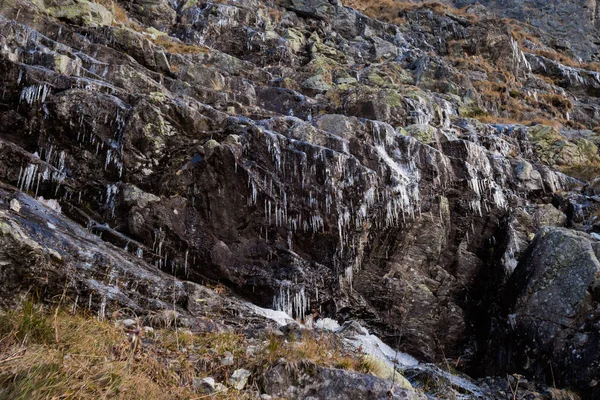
318 348
492 119
174 46
557 101
555 123
54 354
120 13
521 36
391 11
473 63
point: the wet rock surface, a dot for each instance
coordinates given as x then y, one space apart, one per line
312 159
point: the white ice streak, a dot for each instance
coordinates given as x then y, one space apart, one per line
34 93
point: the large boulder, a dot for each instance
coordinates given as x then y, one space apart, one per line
552 312
44 253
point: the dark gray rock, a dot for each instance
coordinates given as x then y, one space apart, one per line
552 311
311 382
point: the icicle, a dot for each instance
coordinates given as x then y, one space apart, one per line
102 309
293 303
34 93
185 264
111 195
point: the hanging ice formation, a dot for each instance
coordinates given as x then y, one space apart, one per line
292 301
34 93
52 171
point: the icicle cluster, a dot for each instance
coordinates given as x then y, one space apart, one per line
34 93
518 56
292 301
34 174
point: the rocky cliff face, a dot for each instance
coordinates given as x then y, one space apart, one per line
312 158
569 26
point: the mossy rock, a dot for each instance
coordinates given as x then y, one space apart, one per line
393 75
554 149
189 4
345 80
296 39
423 133
544 133
329 52
317 82
472 111
382 370
65 65
377 80
80 12
322 65
393 98
373 103
548 215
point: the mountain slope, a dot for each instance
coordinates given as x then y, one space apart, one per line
310 157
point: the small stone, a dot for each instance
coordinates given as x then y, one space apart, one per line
50 203
277 333
227 359
204 385
346 80
292 326
185 322
129 324
239 379
148 330
220 388
15 205
265 397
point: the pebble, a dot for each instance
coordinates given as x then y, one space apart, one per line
239 378
204 385
227 359
15 205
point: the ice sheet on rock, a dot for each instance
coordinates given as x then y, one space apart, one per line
373 346
280 317
467 390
